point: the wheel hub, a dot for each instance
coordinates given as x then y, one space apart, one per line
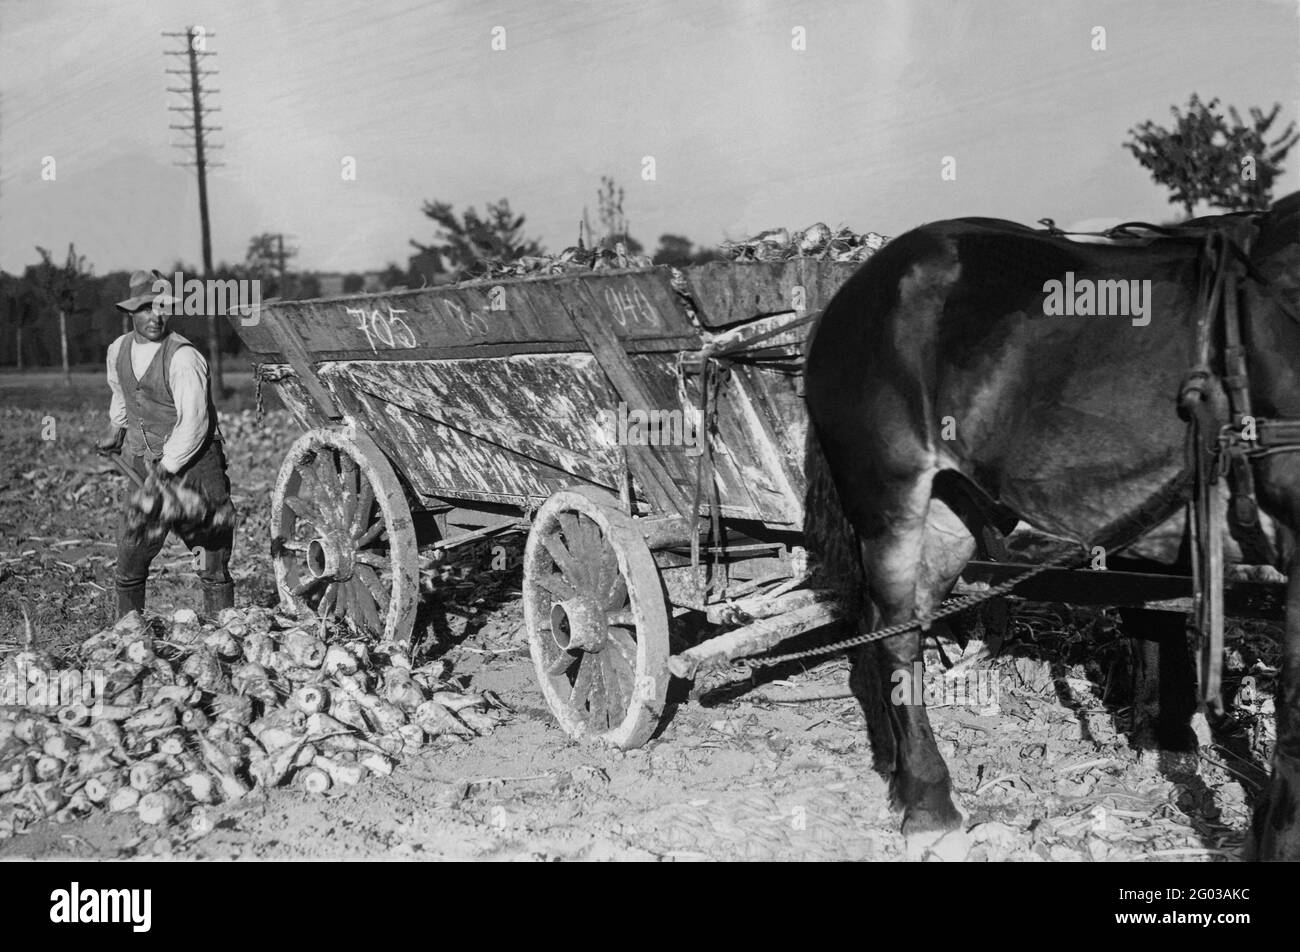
578 624
328 557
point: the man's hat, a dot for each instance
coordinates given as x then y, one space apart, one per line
143 294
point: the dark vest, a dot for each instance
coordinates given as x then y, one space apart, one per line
150 408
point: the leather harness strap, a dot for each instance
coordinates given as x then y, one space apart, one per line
1201 402
1222 448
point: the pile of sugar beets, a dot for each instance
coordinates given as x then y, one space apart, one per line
203 713
774 244
815 241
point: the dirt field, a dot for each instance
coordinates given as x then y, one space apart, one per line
1046 773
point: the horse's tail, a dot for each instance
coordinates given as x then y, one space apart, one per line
830 538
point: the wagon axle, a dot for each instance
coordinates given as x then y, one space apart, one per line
579 625
328 559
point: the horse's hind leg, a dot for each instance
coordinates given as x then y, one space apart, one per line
910 567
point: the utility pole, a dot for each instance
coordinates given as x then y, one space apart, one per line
282 256
284 291
195 47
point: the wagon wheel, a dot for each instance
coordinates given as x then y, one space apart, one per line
343 542
597 620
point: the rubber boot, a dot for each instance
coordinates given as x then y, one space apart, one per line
130 600
218 597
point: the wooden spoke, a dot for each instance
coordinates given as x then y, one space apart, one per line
343 602
569 526
598 694
336 487
320 499
370 578
580 694
326 607
307 477
561 664
617 694
372 557
600 556
622 617
349 476
365 503
557 586
327 476
307 585
616 594
370 535
304 510
365 602
376 559
582 572
563 558
621 659
624 645
294 545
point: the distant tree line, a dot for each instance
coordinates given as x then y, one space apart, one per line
52 306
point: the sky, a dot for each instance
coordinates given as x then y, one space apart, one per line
746 131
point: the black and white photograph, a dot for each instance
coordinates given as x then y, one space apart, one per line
651 431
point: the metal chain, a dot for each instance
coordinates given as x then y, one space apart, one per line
951 606
261 410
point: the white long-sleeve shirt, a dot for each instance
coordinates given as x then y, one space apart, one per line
188 378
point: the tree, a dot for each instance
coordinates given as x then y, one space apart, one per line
114 286
267 260
67 289
1204 158
394 278
306 286
20 302
677 250
472 244
425 268
613 221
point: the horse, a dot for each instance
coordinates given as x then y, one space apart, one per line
975 372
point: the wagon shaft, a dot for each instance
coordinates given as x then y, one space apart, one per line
757 637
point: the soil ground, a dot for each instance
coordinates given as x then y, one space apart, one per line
1045 773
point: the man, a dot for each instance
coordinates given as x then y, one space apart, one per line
162 417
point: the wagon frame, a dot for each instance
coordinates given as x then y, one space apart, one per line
446 415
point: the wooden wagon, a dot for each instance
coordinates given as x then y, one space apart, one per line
622 418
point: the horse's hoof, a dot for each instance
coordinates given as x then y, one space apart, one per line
940 817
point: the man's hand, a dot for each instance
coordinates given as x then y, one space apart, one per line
111 443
